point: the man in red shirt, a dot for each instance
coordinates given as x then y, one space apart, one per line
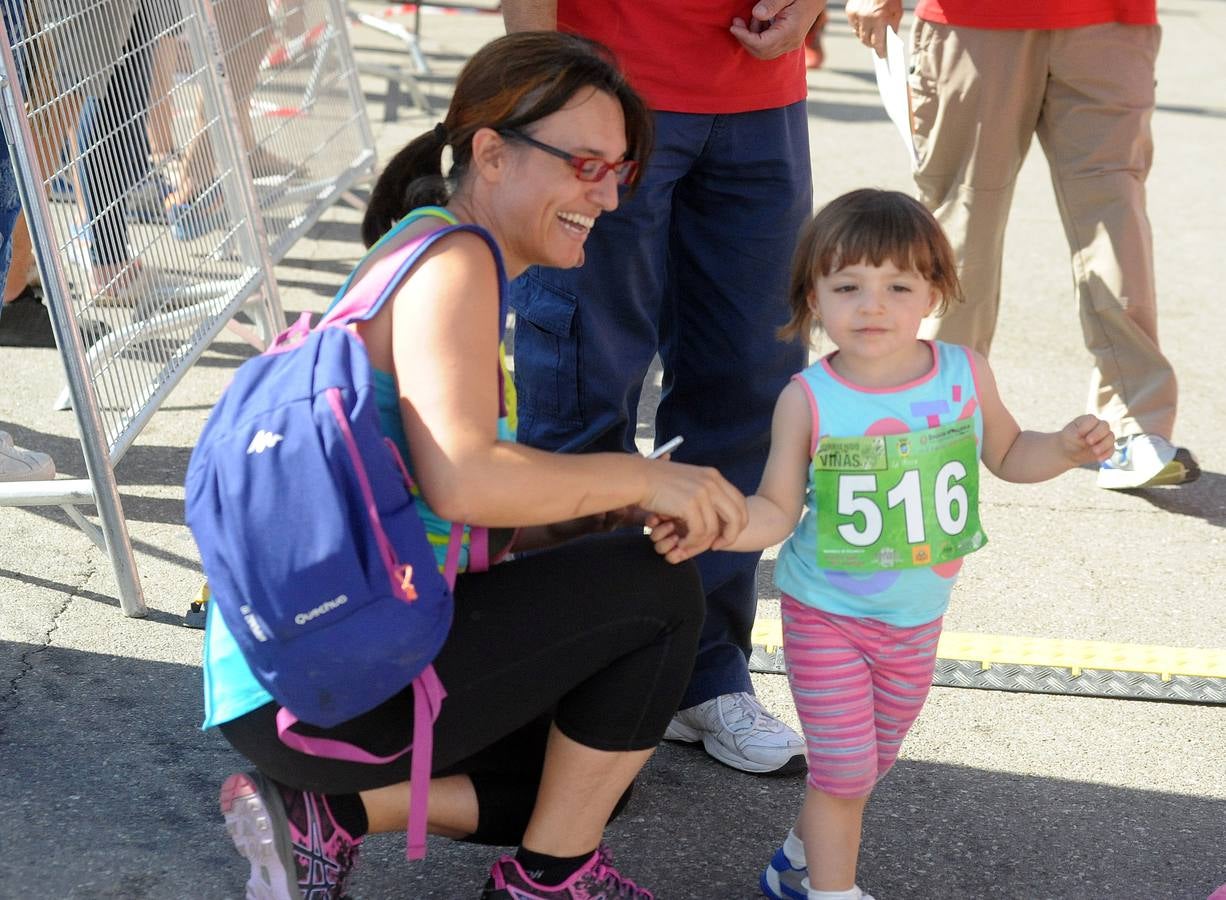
986 76
694 266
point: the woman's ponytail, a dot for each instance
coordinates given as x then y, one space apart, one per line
412 178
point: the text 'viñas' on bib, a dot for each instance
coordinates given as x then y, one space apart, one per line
898 501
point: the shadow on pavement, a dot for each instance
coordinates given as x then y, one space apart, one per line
104 761
1204 499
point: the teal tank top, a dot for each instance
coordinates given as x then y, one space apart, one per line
904 597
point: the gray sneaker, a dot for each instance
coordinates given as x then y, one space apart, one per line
1147 460
738 731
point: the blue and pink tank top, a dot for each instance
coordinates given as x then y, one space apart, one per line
904 597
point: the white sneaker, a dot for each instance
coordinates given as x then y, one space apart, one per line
738 731
1147 460
17 464
855 887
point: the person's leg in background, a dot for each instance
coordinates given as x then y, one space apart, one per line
160 133
1096 133
16 463
53 84
27 322
971 152
62 51
735 219
196 206
815 55
21 269
115 155
10 213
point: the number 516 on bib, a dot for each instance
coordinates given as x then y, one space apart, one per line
898 501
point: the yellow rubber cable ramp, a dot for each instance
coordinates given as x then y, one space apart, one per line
1051 666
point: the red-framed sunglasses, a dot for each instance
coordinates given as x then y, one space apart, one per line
587 168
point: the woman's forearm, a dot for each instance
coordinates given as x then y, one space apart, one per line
512 485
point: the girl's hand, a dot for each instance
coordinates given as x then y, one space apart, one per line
1087 439
707 512
665 539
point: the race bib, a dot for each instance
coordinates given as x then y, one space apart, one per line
898 501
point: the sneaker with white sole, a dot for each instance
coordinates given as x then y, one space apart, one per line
1147 460
19 464
781 880
859 891
738 731
296 848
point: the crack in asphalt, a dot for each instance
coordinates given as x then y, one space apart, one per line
11 701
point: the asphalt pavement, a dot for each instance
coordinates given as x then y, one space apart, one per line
110 788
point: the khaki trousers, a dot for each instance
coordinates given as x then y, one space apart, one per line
979 96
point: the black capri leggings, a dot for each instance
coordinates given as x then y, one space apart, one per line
597 637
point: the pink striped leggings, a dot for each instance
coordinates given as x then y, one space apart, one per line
858 685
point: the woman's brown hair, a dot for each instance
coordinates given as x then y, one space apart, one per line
871 226
509 83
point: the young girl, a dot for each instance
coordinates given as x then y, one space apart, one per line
878 444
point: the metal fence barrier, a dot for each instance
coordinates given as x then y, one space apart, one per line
307 135
168 153
383 21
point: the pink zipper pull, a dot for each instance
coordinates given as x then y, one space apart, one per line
406 582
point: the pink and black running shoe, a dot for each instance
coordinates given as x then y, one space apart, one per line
595 880
296 849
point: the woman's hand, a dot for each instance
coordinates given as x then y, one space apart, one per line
703 510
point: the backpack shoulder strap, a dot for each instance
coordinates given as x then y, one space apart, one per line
422 212
363 300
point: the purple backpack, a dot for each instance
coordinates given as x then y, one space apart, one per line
304 515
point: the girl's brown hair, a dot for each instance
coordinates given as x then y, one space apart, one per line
509 83
871 226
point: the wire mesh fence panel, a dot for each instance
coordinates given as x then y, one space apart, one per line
158 144
302 117
119 96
